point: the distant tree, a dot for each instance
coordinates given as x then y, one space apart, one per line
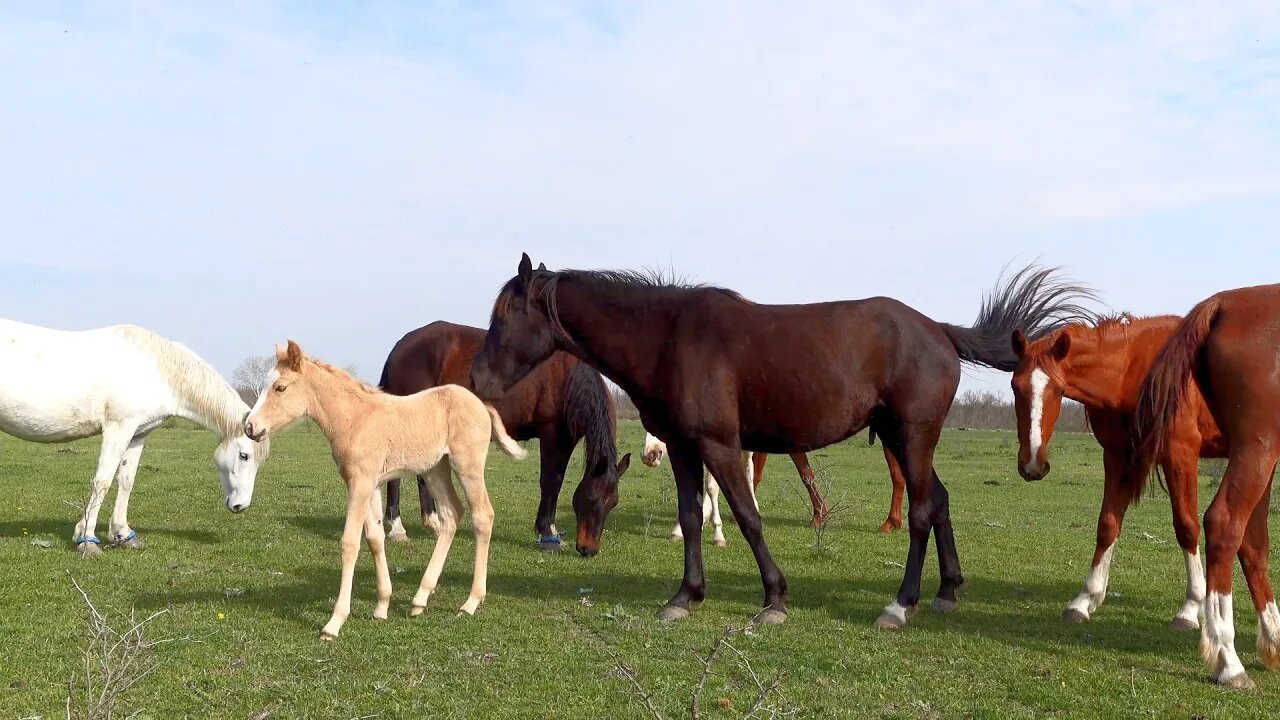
351 370
251 375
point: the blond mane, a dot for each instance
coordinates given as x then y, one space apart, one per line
194 381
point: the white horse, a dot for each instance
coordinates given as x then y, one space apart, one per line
121 382
655 450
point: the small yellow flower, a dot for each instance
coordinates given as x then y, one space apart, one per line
24 531
222 616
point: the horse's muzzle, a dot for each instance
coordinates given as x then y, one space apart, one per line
1035 473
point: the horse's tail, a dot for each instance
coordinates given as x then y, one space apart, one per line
509 446
1035 300
1164 391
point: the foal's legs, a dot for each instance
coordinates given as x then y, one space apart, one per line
359 490
1181 476
1117 493
470 470
899 482
375 537
120 532
395 527
1225 522
115 441
445 524
686 465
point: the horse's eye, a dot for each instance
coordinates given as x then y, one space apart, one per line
280 388
244 456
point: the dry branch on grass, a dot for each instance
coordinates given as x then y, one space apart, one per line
114 661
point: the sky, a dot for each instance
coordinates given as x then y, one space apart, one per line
234 174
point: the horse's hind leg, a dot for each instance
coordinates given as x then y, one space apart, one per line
1254 561
809 479
1180 473
1116 496
121 534
394 525
470 470
711 510
375 536
899 482
115 441
445 524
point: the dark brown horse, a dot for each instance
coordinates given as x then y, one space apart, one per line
559 402
1102 365
713 373
1228 344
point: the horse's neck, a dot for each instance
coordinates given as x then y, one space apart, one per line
610 335
1095 371
334 406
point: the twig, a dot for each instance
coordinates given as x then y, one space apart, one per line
707 662
630 674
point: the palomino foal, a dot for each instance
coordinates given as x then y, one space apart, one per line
375 437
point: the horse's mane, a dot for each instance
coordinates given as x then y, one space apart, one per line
354 382
1120 325
193 380
591 416
648 279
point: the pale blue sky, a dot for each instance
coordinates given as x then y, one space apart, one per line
233 174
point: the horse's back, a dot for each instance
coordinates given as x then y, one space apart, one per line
435 354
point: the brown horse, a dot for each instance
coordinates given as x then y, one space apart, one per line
1102 366
560 402
713 373
1228 344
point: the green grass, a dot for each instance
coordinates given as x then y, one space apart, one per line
542 645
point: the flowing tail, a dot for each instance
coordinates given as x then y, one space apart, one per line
509 446
1164 391
1035 300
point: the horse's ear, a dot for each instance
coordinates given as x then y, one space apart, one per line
525 271
1019 343
623 464
542 266
295 356
1061 346
281 353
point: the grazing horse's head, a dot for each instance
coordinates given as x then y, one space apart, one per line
520 333
594 499
238 458
654 451
1038 386
285 397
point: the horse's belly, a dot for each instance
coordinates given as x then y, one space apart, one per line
28 423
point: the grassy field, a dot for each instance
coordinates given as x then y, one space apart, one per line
246 597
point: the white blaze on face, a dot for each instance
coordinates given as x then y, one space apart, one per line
262 394
1039 383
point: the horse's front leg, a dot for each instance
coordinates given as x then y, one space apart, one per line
121 534
686 464
115 441
358 492
554 460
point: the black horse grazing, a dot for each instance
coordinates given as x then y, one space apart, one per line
559 402
713 373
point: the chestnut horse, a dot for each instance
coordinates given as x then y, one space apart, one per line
1227 343
713 373
561 402
1102 366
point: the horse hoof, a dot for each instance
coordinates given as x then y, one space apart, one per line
326 637
399 536
133 543
672 613
720 543
1073 615
771 616
416 610
1182 624
888 621
676 538
889 526
550 545
88 549
1240 681
943 606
